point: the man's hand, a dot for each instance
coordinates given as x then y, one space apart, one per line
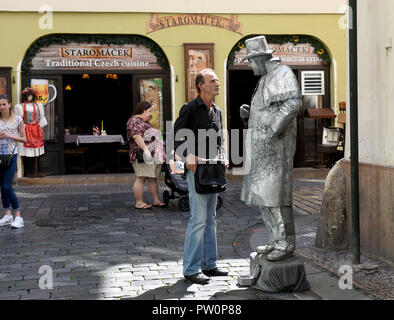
244 111
191 162
271 134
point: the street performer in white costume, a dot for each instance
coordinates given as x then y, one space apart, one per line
272 131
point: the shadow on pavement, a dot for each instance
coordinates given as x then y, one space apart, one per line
186 290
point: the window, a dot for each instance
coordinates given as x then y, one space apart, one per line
5 81
198 56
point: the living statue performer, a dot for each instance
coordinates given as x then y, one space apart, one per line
33 116
271 121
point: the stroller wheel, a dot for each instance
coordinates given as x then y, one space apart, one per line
166 197
183 203
219 203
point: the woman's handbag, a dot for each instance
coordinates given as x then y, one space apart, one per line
210 177
140 156
5 159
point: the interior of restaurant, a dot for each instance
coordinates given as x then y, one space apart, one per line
243 83
92 98
102 100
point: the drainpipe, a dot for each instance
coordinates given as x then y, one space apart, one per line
354 170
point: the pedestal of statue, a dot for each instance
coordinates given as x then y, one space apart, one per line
31 167
275 276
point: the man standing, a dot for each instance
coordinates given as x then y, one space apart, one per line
270 147
199 116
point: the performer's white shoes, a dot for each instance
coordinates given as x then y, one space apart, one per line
265 249
277 255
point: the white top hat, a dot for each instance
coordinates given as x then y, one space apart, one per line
257 46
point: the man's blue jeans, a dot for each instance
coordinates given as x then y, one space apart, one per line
8 195
200 244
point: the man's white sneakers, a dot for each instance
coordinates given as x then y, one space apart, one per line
6 220
18 223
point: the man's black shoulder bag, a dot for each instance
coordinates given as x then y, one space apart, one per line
210 177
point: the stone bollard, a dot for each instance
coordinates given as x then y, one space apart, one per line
331 230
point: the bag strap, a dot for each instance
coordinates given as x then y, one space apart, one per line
14 148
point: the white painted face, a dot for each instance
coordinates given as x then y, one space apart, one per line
258 65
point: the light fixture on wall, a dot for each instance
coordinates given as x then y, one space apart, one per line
111 76
68 87
85 76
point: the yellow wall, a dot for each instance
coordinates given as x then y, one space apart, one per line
21 29
181 6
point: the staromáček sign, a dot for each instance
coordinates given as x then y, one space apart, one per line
98 52
77 56
157 23
289 53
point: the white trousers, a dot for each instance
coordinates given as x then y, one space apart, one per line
280 225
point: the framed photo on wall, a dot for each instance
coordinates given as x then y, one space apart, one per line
5 81
151 89
198 56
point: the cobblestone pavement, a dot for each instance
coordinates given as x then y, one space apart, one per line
98 246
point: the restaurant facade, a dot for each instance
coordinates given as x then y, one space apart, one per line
91 69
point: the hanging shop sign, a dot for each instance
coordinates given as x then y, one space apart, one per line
157 23
86 56
289 53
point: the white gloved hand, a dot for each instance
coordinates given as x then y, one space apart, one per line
244 111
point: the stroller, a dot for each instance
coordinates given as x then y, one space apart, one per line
177 183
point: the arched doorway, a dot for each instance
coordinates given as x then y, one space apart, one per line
99 79
309 59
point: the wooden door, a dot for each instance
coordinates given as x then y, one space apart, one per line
309 131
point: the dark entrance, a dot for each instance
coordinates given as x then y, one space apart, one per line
241 85
88 101
85 100
310 63
102 100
